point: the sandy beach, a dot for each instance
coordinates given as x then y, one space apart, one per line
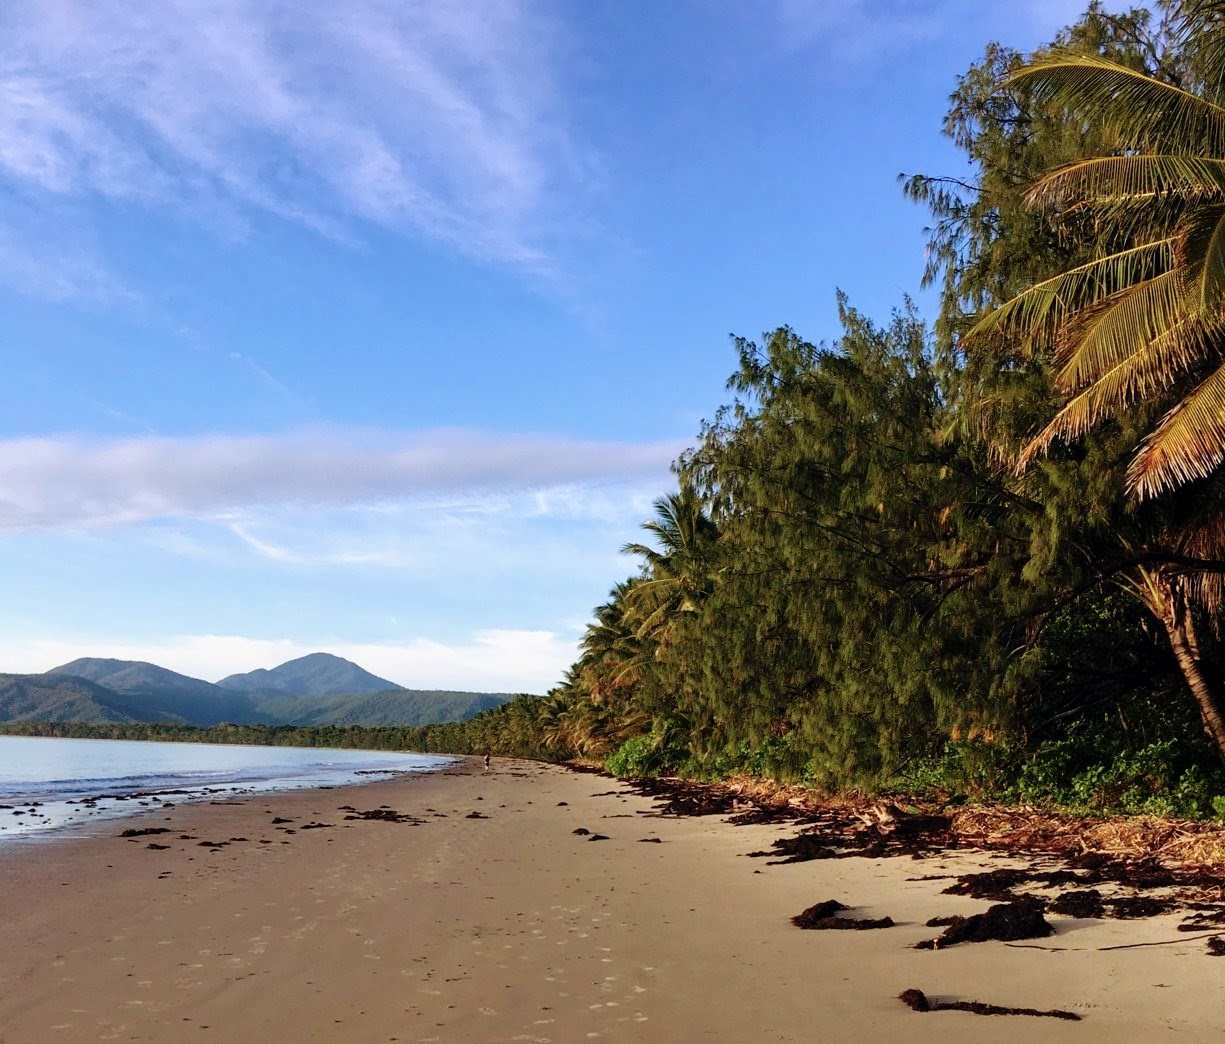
470 910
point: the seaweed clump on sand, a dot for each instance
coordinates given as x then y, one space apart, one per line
1131 908
917 1000
823 917
882 832
1128 854
1006 922
386 815
675 797
1080 902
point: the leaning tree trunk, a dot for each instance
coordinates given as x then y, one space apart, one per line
1204 679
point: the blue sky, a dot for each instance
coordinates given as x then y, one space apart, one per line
373 328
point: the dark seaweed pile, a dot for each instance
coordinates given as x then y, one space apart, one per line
823 917
917 1000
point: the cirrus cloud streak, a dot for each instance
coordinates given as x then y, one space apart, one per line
445 119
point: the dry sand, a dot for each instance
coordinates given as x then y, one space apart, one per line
511 927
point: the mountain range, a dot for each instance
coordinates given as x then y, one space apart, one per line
319 689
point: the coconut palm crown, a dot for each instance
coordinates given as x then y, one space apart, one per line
1143 321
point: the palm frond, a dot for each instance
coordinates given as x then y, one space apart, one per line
1143 112
1113 178
1145 370
1202 535
1101 339
1188 443
1203 256
1045 305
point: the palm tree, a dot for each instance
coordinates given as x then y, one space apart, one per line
613 652
676 576
1138 330
1142 323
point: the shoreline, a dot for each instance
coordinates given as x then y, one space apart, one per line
463 906
50 810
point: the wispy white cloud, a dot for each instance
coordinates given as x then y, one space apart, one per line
485 661
444 118
327 547
56 482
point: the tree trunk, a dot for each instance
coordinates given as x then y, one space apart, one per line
1203 677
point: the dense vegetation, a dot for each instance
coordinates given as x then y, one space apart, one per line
977 558
982 557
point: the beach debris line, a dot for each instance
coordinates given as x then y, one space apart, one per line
824 917
917 1000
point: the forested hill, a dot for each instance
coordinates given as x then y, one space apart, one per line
319 674
312 690
152 693
43 697
391 707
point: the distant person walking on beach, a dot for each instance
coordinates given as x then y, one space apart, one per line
486 762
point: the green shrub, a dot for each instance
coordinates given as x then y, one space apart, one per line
634 758
661 750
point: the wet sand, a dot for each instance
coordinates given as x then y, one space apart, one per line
481 916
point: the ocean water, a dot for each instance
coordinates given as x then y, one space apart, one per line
56 787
